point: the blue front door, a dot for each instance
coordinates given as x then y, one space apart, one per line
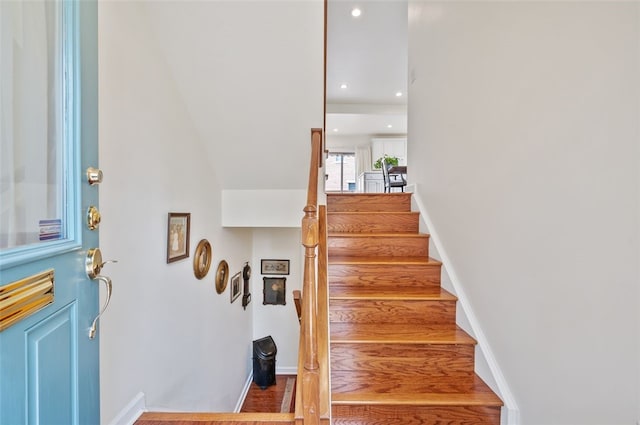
48 139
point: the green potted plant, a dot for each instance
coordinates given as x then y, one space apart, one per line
390 160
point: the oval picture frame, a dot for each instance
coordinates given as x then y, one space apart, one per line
222 276
202 259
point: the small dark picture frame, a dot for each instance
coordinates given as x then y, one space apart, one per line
274 267
274 290
236 288
178 228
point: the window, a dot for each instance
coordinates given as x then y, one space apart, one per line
341 172
38 199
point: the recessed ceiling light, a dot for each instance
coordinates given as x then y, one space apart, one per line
389 126
335 129
343 86
356 12
398 94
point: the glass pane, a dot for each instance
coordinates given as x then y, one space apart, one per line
341 172
349 172
31 123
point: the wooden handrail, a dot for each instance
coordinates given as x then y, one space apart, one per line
309 366
297 301
316 153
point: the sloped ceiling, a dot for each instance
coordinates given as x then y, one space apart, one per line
250 75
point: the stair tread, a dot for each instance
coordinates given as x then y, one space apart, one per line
397 349
376 235
336 213
365 194
398 334
391 293
372 259
480 394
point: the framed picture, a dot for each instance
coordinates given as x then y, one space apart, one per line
274 266
274 290
178 236
222 276
202 259
236 288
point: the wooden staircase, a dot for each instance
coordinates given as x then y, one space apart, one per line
397 355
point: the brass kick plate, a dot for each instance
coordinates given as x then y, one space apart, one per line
24 297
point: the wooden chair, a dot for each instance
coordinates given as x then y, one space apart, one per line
392 180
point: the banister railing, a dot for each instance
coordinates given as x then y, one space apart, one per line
312 404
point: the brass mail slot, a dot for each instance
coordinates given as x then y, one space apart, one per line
24 297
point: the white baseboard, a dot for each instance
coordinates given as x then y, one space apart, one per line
131 412
243 394
137 406
512 415
286 370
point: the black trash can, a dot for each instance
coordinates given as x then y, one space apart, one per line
264 362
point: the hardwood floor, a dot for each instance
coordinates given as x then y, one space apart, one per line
278 398
271 406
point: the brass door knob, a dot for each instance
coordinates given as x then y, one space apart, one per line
93 267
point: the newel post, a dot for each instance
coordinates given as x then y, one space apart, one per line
310 243
310 237
310 378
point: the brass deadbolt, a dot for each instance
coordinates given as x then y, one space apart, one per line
93 218
94 176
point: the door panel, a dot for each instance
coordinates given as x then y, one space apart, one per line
48 365
52 374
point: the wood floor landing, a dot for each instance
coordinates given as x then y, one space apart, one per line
278 398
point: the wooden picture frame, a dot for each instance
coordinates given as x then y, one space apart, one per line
236 286
222 276
178 228
278 267
274 290
202 259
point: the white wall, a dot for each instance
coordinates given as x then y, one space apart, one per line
251 73
167 334
524 141
279 321
262 208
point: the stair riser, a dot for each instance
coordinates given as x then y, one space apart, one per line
396 275
373 202
397 356
378 246
373 223
345 382
423 359
191 418
418 312
415 415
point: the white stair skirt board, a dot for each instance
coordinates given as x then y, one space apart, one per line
131 412
510 411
